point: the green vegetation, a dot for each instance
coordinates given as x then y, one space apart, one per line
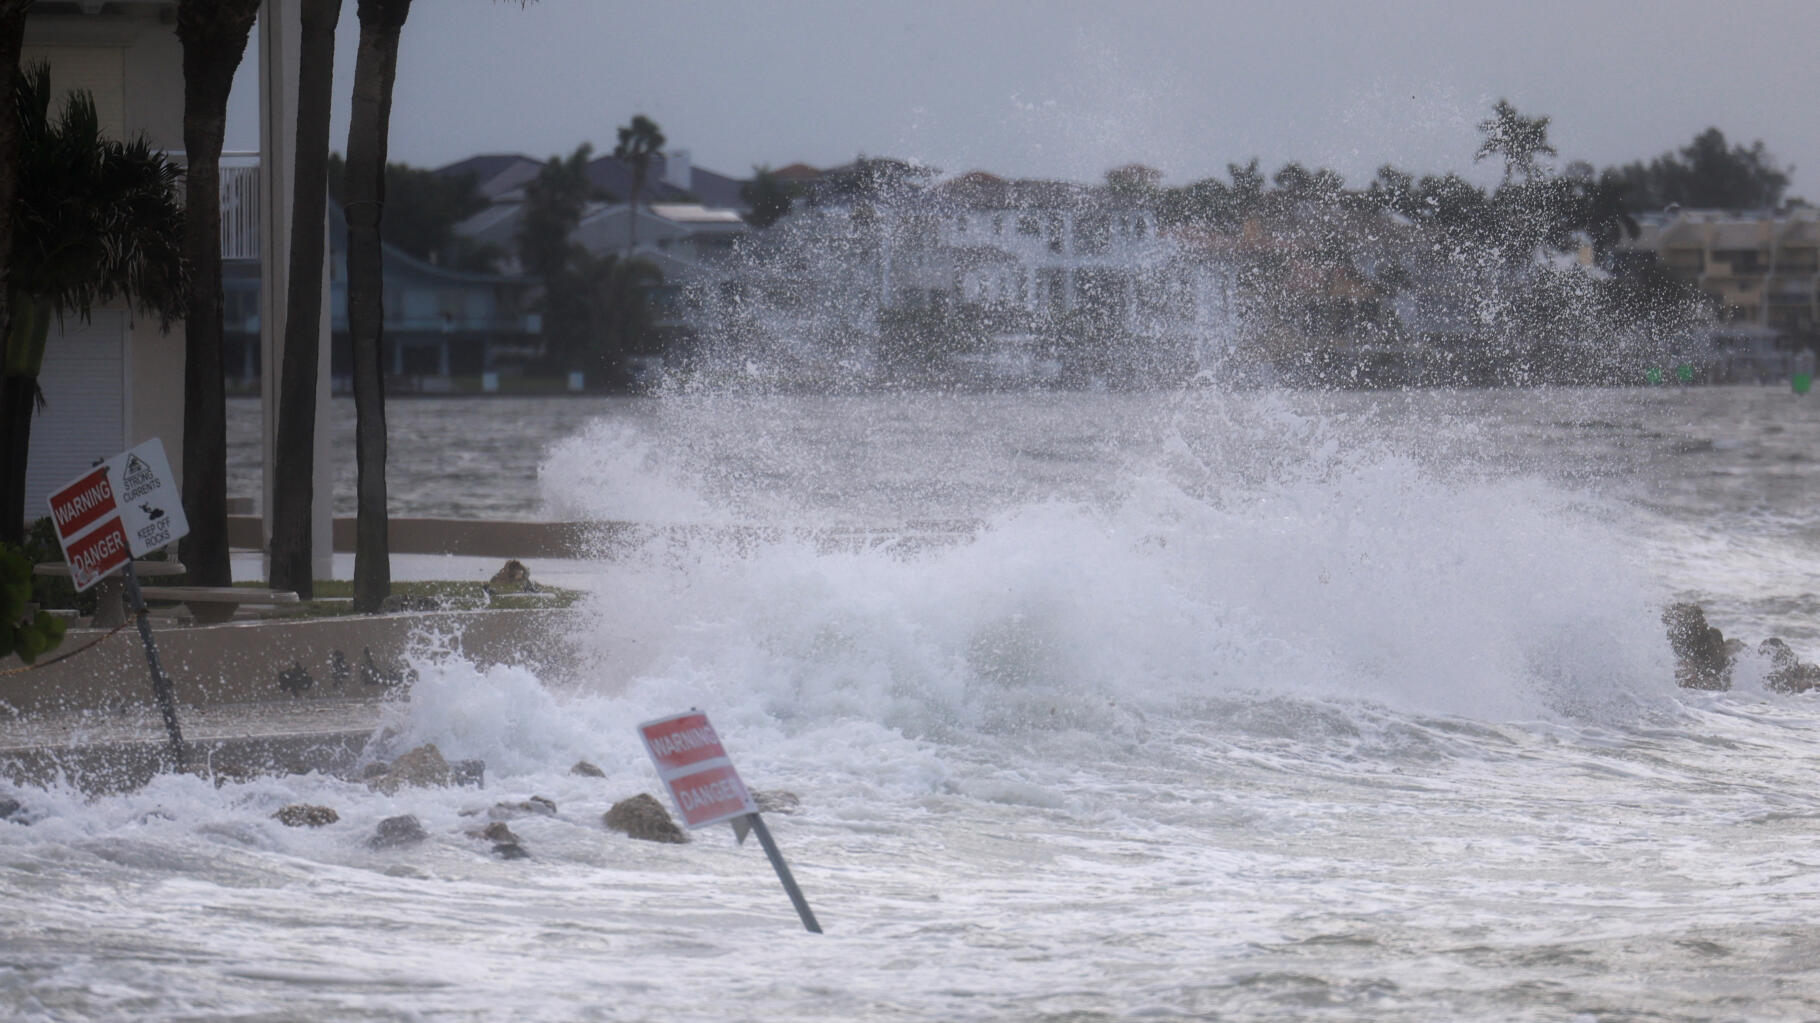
94 220
334 598
24 630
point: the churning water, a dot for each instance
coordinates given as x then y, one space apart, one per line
1174 705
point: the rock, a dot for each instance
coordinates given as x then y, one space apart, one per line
777 801
397 831
422 767
510 851
12 810
587 770
303 815
1703 660
374 770
535 805
468 773
1788 673
642 816
499 832
513 578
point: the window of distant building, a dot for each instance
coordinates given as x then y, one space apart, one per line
1743 261
1092 232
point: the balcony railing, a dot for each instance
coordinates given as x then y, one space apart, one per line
240 206
239 202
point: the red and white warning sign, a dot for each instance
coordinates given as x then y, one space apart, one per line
124 508
692 762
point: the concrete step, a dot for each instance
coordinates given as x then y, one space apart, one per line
122 748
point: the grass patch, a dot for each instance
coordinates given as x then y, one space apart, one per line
334 598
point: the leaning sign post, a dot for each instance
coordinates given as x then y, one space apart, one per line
706 789
125 508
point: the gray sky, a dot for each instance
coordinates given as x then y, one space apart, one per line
1070 88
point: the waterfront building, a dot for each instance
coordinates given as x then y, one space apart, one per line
1761 266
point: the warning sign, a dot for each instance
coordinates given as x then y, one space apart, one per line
129 501
83 503
97 552
692 762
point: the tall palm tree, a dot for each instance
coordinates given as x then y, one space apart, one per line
638 141
12 41
93 219
293 490
214 36
375 69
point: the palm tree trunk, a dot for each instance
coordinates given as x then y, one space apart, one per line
15 397
214 36
294 492
375 68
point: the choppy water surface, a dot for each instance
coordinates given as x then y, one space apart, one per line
1222 706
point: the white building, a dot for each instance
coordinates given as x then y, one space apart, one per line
117 380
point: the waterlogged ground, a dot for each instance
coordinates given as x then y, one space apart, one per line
1274 859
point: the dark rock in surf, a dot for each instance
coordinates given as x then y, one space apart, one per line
12 810
397 831
304 815
468 773
537 805
1703 659
1788 673
777 801
422 767
587 770
498 831
643 817
510 851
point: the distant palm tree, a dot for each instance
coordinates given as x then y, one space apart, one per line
293 492
375 69
638 142
214 36
93 219
1520 140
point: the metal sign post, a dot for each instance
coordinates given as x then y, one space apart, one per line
125 508
162 689
706 789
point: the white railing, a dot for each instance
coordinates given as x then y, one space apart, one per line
239 201
240 206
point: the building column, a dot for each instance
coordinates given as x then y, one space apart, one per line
279 28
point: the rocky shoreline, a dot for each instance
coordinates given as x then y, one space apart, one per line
1705 658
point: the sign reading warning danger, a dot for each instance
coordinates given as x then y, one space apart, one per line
692 762
127 506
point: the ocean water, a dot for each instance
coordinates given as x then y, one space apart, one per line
1271 706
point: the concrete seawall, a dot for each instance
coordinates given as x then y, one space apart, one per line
253 696
242 662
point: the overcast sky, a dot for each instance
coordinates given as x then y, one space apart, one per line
1070 88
